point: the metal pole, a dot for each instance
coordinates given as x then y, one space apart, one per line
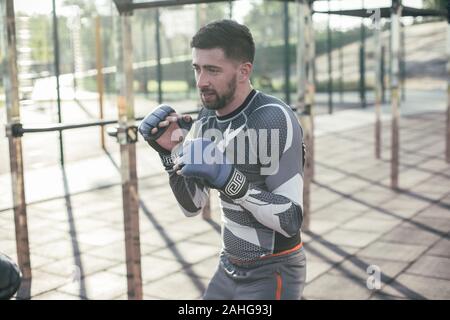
201 21
70 25
395 98
8 59
287 62
303 110
58 97
382 75
330 67
145 57
402 60
99 64
302 57
74 24
362 66
311 79
377 49
230 9
341 65
305 90
158 56
448 85
128 157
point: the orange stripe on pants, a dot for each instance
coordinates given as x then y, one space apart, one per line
279 286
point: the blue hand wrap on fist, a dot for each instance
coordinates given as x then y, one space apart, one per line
202 159
152 121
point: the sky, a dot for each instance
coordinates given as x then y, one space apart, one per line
241 8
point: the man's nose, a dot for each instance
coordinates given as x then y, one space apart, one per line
202 80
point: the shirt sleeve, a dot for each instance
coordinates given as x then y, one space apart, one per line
190 193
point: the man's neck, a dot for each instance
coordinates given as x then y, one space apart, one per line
237 101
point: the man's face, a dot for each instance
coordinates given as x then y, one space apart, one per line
216 77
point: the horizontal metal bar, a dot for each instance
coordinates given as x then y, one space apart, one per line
385 12
61 126
127 6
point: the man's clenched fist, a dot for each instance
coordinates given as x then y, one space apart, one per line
163 129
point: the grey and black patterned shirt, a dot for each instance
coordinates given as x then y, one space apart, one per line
265 139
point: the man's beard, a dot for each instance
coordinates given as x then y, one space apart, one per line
221 101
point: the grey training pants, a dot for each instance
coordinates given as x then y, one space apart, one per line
284 279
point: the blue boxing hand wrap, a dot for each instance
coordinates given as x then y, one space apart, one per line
10 277
202 159
150 122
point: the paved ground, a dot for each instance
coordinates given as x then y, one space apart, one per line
76 224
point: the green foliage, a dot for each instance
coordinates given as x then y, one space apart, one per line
266 21
435 4
88 9
40 40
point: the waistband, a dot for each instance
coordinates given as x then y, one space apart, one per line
264 259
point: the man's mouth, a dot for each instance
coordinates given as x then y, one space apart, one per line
208 95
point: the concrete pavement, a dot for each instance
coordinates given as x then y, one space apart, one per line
76 233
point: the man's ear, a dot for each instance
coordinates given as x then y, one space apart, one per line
245 70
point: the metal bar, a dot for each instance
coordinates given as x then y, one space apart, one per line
156 4
8 58
448 85
377 49
395 99
311 79
362 64
128 158
56 62
305 90
287 62
145 54
158 56
330 66
72 50
362 85
385 12
382 75
341 66
402 61
301 57
99 65
305 120
341 75
60 127
201 21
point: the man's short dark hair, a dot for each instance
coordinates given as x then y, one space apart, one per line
233 38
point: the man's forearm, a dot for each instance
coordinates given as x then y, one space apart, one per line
191 195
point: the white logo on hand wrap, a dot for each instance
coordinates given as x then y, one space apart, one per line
235 184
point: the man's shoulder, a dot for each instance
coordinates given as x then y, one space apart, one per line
269 111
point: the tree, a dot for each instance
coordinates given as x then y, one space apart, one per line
435 4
